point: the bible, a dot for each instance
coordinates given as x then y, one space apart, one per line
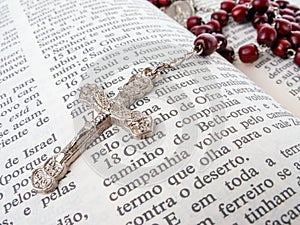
225 146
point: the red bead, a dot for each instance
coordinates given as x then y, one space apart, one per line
220 15
215 26
274 4
286 11
283 26
289 18
297 57
239 13
206 44
259 19
222 41
266 35
281 48
248 53
227 53
154 2
294 39
293 7
282 3
193 21
260 6
164 3
295 26
200 29
244 1
227 5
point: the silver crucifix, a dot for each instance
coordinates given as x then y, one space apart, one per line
110 111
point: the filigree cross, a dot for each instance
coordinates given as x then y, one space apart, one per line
110 111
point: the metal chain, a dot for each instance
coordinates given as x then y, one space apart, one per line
152 73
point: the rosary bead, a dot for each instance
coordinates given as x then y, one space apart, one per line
294 39
215 26
274 4
206 44
286 11
283 26
243 1
295 26
297 57
266 35
227 53
200 29
260 6
289 18
282 3
239 13
293 7
164 3
227 5
154 2
248 53
281 48
222 41
193 21
220 15
259 19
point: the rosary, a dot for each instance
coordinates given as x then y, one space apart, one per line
277 25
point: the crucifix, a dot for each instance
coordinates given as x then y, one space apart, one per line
110 111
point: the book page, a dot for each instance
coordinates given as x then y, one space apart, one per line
223 151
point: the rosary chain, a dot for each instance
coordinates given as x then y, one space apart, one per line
152 73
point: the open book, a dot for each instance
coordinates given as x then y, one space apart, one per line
223 150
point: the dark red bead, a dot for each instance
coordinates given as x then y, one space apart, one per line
297 18
282 3
227 53
283 26
266 35
154 2
281 48
193 21
289 18
220 15
297 57
244 1
294 39
239 13
227 5
286 11
206 44
200 29
295 26
259 19
164 3
295 8
273 4
222 41
260 6
215 26
248 53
